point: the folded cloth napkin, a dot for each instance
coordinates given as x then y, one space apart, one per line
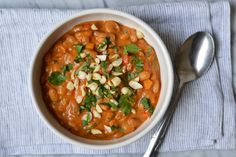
204 118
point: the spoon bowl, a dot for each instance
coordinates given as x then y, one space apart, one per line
195 56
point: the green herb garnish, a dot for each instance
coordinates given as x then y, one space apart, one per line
78 59
105 43
149 51
85 122
110 104
118 69
125 103
104 92
82 108
131 48
56 78
132 75
89 100
104 64
137 62
79 48
115 48
85 67
147 105
114 127
67 67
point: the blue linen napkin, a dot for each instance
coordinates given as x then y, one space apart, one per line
204 119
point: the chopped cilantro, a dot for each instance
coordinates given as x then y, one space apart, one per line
115 48
104 64
110 104
149 52
82 108
67 67
79 48
114 127
125 103
131 48
78 59
147 105
56 78
132 75
105 43
89 100
137 62
104 92
85 67
84 122
118 69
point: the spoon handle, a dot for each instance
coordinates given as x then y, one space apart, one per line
159 135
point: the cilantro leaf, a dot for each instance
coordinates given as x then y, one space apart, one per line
82 108
104 92
89 100
137 62
107 41
85 67
149 52
115 48
105 44
147 105
104 64
67 67
131 48
132 75
79 48
145 102
110 104
125 103
56 78
78 59
114 127
84 122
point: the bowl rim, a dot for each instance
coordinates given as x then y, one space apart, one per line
143 24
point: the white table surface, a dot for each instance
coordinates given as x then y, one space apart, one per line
85 4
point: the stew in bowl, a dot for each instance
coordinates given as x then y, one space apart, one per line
101 80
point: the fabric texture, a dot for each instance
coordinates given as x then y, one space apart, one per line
204 119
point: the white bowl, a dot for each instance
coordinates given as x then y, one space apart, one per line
56 32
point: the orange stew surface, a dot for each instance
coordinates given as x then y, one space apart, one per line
101 80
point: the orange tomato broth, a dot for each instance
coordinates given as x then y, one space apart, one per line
101 113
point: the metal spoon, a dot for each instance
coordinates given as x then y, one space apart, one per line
192 60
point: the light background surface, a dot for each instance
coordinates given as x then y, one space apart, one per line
86 4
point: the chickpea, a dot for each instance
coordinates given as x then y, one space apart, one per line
54 67
83 36
131 124
111 26
118 134
70 41
144 75
68 58
58 51
108 116
100 37
53 95
61 90
133 36
156 87
123 36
